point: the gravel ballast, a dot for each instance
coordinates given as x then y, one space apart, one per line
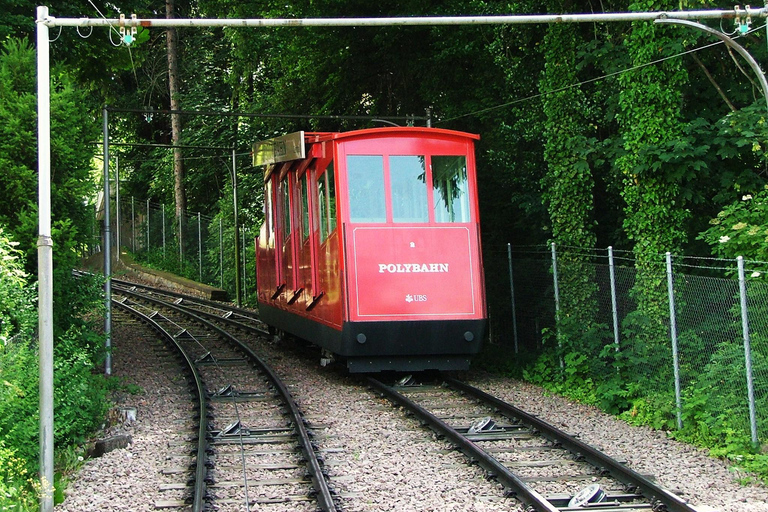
378 458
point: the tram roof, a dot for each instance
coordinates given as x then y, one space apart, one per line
314 137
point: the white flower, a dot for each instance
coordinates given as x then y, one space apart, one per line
755 274
746 197
724 239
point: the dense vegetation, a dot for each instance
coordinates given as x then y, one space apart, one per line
629 135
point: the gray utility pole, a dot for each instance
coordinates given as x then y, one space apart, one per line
742 18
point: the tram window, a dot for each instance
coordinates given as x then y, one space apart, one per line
331 199
286 206
304 207
451 190
407 175
268 208
326 200
365 177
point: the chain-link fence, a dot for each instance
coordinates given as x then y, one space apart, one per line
710 362
205 251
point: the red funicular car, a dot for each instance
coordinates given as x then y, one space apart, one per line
370 246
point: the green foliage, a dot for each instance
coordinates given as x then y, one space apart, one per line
79 394
19 419
741 228
17 308
656 410
17 484
715 412
650 116
80 399
567 188
72 129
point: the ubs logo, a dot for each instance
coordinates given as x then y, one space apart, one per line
415 298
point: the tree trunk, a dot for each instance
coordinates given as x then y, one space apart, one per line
178 164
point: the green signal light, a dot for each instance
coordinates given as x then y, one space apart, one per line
128 39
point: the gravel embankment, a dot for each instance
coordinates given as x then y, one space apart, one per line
378 459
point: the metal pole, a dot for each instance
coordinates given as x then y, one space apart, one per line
512 295
747 351
117 203
673 333
238 291
181 239
409 21
147 225
557 307
200 247
221 255
45 261
107 253
614 305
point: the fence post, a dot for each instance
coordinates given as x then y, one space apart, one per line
512 295
245 283
133 225
180 238
200 246
614 305
747 351
673 333
221 255
557 307
163 217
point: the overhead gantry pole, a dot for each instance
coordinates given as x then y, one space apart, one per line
514 19
45 261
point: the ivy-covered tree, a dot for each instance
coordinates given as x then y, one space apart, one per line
650 118
568 186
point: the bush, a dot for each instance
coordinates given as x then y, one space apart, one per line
17 486
17 307
80 394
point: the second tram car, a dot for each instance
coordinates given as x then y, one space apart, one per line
370 246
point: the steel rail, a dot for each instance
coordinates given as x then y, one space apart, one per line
204 302
325 498
508 479
598 459
202 443
211 303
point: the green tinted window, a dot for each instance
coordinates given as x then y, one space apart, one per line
304 207
331 199
450 188
285 194
326 200
407 176
365 178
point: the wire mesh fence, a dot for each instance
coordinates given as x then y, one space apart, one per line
196 246
710 362
705 359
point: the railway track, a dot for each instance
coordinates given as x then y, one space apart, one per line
252 446
513 447
543 468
